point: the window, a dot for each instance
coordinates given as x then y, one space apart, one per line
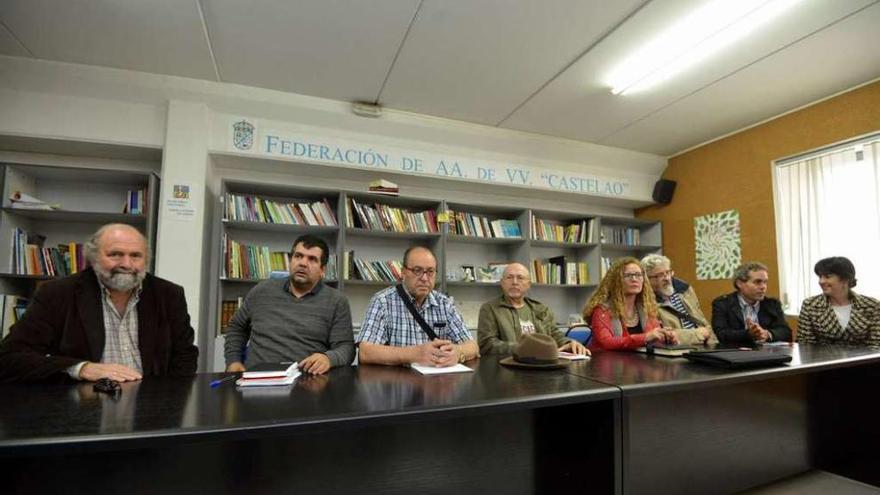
828 204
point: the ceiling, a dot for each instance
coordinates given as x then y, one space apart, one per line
535 66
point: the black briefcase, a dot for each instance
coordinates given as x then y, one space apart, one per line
739 358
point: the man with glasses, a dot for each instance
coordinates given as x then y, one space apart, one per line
392 333
678 306
747 315
505 319
297 318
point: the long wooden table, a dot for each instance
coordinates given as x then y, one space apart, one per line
618 423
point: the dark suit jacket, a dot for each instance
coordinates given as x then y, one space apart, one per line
64 325
729 326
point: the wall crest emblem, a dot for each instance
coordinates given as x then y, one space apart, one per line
243 135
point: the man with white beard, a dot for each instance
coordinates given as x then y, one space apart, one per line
677 302
112 320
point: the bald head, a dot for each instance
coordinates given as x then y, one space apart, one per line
118 253
515 283
113 231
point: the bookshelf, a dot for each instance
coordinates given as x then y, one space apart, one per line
258 223
85 199
376 229
79 201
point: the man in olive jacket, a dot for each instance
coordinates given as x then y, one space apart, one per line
505 319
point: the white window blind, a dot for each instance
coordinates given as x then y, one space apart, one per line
828 204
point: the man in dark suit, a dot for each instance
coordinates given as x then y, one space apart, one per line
112 320
747 315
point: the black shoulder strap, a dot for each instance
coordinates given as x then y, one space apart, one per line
412 310
681 315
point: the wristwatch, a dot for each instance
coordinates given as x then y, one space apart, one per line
461 356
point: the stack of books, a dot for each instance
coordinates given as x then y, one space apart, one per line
269 374
251 262
135 202
376 271
558 270
29 257
389 219
227 311
604 265
244 208
12 308
576 233
470 224
382 186
626 236
24 201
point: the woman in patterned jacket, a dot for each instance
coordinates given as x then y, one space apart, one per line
839 315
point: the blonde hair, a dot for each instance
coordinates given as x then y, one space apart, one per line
610 292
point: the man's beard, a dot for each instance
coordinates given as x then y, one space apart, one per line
667 290
120 280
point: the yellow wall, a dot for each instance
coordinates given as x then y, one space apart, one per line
735 173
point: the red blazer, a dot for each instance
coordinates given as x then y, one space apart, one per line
64 325
603 334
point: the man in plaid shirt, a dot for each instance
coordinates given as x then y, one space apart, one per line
390 334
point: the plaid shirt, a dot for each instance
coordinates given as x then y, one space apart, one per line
388 322
121 332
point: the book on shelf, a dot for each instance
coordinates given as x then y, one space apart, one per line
389 218
251 261
604 265
580 232
29 257
227 311
254 262
135 202
25 201
382 186
626 236
471 224
558 270
374 271
12 308
247 208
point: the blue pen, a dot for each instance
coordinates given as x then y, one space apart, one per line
216 383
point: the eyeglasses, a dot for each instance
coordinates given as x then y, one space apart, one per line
633 276
518 278
419 271
667 273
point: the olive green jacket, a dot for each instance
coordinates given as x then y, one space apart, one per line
499 328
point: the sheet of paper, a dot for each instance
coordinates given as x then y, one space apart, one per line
572 357
431 370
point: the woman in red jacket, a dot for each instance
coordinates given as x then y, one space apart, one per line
623 310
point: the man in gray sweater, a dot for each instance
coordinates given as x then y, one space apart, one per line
294 319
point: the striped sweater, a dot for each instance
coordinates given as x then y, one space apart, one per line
817 323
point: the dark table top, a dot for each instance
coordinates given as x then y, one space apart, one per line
35 416
636 373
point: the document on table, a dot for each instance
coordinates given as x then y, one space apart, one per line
433 370
571 356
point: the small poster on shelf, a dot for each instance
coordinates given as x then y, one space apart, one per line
179 201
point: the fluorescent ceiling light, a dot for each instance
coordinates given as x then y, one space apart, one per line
709 29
